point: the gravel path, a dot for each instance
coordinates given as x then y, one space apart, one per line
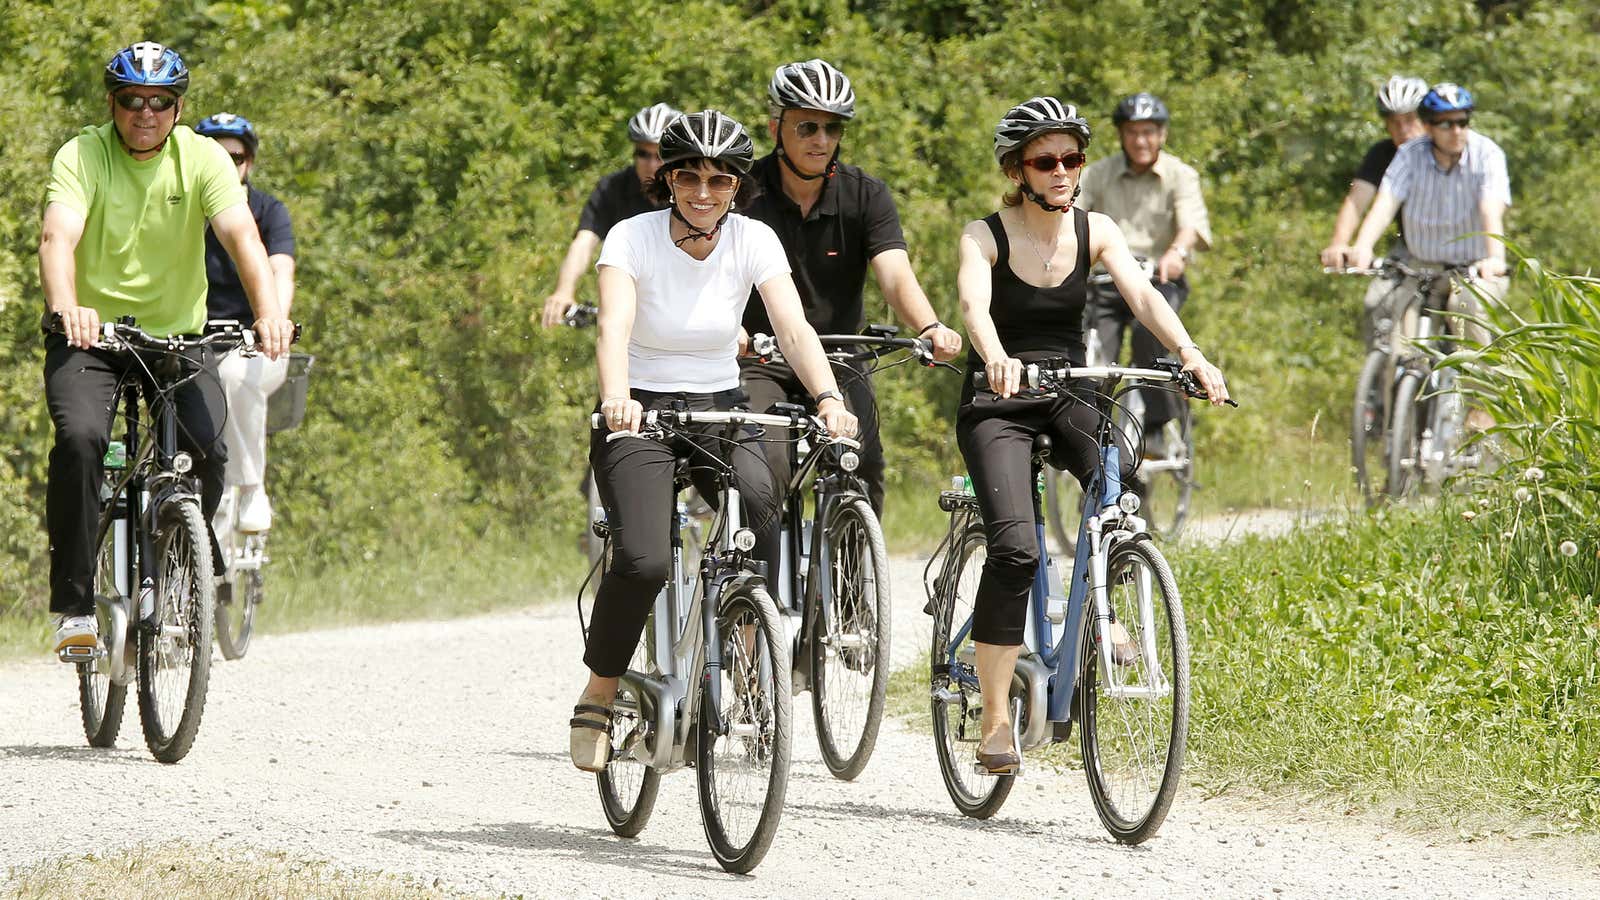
438 750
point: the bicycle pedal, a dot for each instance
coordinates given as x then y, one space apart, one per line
979 769
77 653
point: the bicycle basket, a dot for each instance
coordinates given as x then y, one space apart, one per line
286 407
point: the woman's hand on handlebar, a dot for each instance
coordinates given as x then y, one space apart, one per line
1207 375
274 335
1005 375
839 421
622 413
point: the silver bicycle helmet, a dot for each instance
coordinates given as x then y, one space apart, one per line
1141 107
1040 115
647 124
1401 94
708 134
813 84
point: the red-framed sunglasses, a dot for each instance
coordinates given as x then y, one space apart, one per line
1044 162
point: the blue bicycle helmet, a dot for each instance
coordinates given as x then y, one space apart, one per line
147 64
229 125
1446 97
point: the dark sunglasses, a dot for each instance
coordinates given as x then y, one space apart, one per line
809 129
158 103
647 154
1044 162
1462 122
239 159
690 181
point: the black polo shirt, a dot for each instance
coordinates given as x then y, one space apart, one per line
829 250
225 296
1374 164
616 197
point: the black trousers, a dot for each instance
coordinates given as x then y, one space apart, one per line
79 387
996 440
1110 316
635 479
771 383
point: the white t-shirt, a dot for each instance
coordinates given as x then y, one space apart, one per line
686 331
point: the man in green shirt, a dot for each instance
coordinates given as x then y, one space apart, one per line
124 235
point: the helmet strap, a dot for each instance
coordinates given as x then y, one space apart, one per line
695 234
833 164
1038 198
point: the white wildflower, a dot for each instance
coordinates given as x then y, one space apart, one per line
1534 473
1483 503
1469 515
1568 548
1522 494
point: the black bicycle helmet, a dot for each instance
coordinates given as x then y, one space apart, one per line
1030 119
1141 107
708 134
226 124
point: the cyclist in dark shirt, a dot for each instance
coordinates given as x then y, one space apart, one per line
247 381
619 195
1397 105
835 221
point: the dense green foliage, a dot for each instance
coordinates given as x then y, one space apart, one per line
434 156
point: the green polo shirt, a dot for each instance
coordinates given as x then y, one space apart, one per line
143 251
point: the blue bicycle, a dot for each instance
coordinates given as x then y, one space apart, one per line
1129 695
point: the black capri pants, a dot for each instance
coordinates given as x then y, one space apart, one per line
634 477
996 440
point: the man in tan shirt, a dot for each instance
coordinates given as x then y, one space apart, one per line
1155 197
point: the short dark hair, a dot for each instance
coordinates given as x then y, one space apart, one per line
659 192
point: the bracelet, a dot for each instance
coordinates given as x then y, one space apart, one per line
936 324
827 395
1182 347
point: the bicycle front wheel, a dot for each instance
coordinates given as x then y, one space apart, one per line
175 649
742 750
957 702
850 644
1134 712
1405 444
101 700
1367 426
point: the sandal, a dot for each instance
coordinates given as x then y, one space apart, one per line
1124 652
590 742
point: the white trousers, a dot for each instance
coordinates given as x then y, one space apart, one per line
247 382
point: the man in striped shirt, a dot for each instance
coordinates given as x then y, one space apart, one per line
1451 190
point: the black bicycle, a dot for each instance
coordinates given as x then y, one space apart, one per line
154 593
833 578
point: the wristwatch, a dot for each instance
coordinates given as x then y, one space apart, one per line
825 395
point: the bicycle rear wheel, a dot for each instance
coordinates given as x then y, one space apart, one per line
956 701
850 650
236 613
101 700
1368 426
175 649
1405 445
1169 475
1134 716
628 786
742 751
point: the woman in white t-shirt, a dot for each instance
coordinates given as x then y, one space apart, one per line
673 287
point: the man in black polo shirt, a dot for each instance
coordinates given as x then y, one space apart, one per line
618 196
834 221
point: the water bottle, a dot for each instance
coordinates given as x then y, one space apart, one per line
116 455
147 598
961 483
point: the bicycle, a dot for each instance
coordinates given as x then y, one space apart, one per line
1166 500
153 589
1067 670
1408 419
709 686
833 576
244 554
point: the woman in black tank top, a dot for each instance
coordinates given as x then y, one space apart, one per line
1023 281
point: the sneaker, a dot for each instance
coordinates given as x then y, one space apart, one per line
76 631
255 512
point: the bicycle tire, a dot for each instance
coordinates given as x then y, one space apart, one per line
101 701
976 796
1405 469
236 615
1170 479
1368 426
186 608
861 569
628 787
1132 821
755 687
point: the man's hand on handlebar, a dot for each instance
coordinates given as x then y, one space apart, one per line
946 343
81 325
1489 267
1335 256
274 335
556 307
839 421
1005 375
1358 257
622 413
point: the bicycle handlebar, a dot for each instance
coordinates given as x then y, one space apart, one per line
657 422
1382 266
124 334
1046 378
765 347
1145 264
581 315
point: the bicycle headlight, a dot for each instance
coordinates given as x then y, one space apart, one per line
182 463
744 539
849 460
1128 502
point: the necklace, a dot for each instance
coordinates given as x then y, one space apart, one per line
1034 242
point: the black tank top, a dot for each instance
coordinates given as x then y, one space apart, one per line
1030 319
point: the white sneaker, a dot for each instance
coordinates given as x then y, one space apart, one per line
255 512
76 631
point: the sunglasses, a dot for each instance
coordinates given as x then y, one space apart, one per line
158 103
1451 123
689 181
1044 162
239 159
809 129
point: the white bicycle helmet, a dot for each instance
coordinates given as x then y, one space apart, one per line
813 84
1401 94
647 124
1040 115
